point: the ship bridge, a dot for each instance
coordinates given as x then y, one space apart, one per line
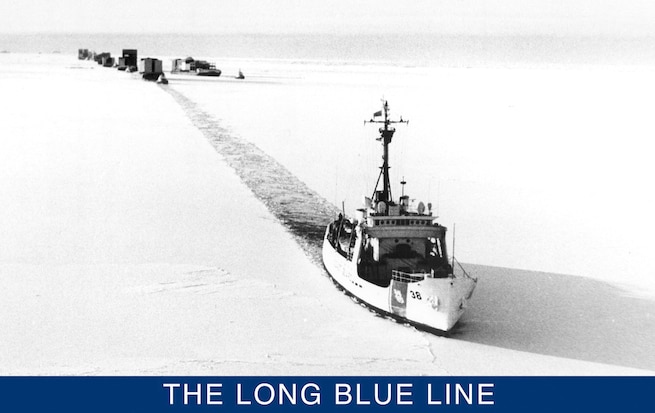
403 226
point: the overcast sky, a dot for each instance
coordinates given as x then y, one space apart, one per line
605 17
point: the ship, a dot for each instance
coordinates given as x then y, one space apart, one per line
191 65
392 255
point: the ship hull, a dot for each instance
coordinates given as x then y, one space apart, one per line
431 303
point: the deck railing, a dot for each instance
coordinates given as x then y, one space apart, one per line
407 277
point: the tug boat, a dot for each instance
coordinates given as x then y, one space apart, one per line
392 256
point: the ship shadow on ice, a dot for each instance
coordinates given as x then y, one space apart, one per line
560 315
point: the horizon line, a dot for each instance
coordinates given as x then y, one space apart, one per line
444 33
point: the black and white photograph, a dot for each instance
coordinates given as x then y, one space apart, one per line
327 188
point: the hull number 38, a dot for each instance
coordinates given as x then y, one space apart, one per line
415 294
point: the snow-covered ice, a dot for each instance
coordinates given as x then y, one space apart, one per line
130 247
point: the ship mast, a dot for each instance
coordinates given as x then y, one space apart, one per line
386 134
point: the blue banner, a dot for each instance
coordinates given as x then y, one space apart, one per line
327 394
